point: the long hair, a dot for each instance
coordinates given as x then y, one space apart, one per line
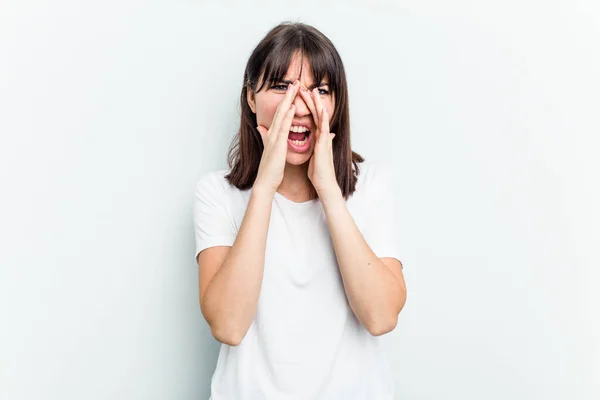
271 59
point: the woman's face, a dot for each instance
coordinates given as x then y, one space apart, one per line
265 103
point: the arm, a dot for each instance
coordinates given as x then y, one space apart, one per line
230 282
374 286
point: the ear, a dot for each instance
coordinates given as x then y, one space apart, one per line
251 100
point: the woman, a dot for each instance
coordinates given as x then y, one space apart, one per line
299 271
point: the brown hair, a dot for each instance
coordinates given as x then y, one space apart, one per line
271 59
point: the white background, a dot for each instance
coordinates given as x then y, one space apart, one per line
488 111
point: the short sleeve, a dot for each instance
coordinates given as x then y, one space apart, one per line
213 226
382 226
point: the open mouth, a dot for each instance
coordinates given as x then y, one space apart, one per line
299 139
298 135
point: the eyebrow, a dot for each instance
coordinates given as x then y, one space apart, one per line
310 87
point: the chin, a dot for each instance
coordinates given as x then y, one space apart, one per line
298 158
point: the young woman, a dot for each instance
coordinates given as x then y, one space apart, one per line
299 269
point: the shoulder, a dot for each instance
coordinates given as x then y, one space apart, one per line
214 187
213 183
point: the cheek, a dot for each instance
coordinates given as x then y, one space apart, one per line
265 111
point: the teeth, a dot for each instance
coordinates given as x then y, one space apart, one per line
298 142
298 129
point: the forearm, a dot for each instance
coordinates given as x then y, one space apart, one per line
374 293
232 296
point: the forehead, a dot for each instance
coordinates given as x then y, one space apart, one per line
300 68
285 67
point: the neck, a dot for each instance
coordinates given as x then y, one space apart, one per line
295 185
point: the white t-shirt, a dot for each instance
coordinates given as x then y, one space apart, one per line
305 341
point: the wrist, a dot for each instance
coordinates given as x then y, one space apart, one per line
332 193
259 191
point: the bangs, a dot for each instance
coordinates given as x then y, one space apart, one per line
321 59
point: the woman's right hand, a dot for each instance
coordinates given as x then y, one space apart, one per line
272 162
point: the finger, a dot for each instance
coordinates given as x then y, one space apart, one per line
284 131
319 107
284 106
318 101
324 121
311 105
324 127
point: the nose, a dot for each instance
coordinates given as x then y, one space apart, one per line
301 106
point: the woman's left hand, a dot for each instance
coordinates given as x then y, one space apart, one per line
321 171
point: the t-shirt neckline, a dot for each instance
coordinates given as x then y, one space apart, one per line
297 204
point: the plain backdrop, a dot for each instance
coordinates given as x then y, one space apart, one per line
487 111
